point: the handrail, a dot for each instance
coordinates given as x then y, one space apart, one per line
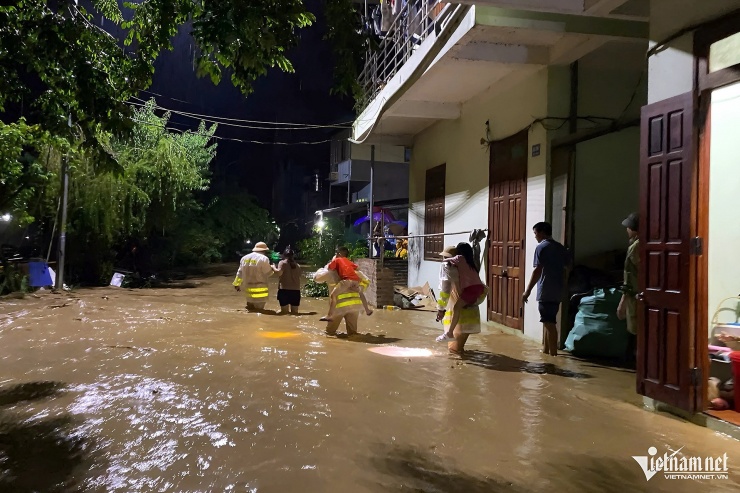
413 24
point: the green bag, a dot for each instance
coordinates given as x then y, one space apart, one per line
598 332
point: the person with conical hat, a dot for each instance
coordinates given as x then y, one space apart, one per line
251 277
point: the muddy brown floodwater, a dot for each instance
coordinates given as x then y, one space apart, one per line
181 390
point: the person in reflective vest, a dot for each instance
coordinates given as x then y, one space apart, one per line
468 316
251 277
349 303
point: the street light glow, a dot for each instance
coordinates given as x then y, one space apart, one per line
321 223
6 217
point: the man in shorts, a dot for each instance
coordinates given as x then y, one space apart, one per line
551 259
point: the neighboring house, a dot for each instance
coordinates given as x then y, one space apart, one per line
523 111
515 115
349 177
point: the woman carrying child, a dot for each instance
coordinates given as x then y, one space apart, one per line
462 291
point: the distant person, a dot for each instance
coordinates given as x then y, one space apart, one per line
254 270
349 282
470 286
551 259
289 286
627 308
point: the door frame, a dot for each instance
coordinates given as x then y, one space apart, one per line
522 135
705 84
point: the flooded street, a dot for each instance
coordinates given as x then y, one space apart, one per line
181 390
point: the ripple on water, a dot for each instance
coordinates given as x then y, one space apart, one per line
149 426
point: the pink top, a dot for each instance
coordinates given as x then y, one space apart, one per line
468 275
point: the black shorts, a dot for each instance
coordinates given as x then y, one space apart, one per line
549 311
290 297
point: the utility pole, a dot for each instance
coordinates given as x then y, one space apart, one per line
62 247
372 201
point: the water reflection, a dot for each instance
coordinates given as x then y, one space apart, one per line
42 455
412 469
368 338
28 391
177 391
501 362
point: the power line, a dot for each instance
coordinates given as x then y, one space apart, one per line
245 141
217 119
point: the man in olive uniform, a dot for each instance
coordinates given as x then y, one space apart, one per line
628 304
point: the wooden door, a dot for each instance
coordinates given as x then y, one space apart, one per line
667 369
506 218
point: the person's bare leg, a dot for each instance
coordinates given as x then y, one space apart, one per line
545 340
551 336
368 311
332 305
458 345
455 317
293 310
284 310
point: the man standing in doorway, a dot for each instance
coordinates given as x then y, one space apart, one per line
254 269
627 308
551 259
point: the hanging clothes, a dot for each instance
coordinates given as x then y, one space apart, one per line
377 21
475 238
395 7
415 15
386 15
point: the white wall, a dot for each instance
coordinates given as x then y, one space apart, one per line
672 70
607 168
607 190
536 203
723 244
510 108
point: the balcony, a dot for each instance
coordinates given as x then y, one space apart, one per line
415 22
349 173
438 55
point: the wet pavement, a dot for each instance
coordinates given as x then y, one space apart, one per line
181 390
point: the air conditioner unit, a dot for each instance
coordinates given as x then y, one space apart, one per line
334 176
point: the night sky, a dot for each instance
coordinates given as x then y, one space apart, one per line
301 97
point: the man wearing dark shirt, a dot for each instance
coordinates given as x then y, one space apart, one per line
551 259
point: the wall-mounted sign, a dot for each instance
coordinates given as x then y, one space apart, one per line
535 150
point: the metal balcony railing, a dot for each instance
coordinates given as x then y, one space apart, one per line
413 24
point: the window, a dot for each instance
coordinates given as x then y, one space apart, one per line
716 47
724 53
434 212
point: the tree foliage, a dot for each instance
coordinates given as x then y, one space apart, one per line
57 65
343 30
22 176
157 198
321 246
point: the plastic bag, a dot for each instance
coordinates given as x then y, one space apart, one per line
324 275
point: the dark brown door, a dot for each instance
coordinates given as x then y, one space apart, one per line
666 364
506 217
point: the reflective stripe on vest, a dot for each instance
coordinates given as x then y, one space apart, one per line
350 299
469 316
258 292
